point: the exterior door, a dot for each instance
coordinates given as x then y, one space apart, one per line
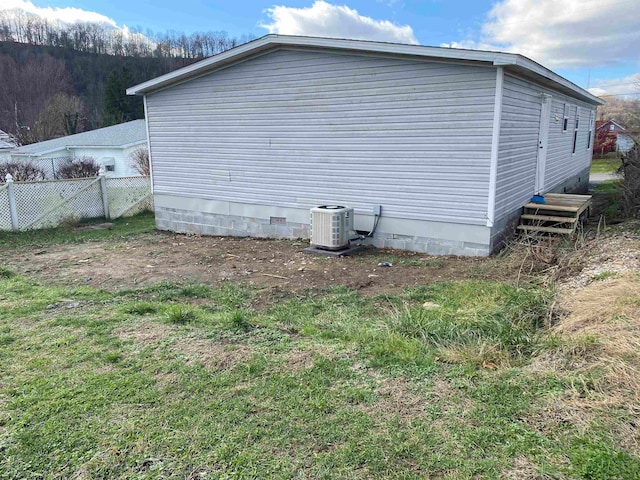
543 142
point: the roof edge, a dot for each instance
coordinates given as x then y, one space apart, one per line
272 41
67 147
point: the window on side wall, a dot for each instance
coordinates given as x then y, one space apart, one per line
565 121
591 124
575 130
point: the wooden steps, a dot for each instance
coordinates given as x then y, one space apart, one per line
560 214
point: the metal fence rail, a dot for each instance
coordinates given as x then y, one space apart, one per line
33 205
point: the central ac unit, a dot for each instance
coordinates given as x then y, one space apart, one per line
331 227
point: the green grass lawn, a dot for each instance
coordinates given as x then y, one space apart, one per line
123 227
185 381
605 165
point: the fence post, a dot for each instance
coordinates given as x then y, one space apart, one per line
103 189
13 209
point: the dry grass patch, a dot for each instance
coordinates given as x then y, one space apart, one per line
297 360
396 397
608 313
559 412
213 355
599 361
145 333
522 469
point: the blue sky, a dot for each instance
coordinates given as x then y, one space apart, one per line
594 43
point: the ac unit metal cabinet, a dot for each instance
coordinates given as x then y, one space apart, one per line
331 227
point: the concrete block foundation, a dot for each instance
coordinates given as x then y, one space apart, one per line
202 223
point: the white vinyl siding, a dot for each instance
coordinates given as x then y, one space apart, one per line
561 164
519 136
518 147
298 128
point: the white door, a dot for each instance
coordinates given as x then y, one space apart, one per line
543 142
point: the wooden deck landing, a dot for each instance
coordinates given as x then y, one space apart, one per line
560 213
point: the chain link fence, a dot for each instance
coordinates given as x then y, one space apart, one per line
44 204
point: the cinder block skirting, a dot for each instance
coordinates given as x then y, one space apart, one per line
187 221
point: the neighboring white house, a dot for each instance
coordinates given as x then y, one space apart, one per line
450 143
6 146
111 147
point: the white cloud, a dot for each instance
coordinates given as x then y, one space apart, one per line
628 86
69 16
571 33
323 19
66 15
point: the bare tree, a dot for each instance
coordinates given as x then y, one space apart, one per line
625 111
21 172
80 168
139 159
64 115
25 91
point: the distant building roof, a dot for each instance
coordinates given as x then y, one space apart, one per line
602 123
122 135
6 145
6 142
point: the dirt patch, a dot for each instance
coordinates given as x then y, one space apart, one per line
147 259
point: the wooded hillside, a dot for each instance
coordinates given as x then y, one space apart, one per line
46 92
58 79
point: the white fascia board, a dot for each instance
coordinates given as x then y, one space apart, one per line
132 144
39 154
274 41
146 124
105 147
538 69
495 145
69 147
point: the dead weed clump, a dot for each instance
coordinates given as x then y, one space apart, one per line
630 185
549 259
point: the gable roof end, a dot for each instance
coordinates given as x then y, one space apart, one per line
517 63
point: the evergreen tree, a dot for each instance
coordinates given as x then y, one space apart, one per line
118 106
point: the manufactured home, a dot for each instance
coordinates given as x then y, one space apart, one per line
446 145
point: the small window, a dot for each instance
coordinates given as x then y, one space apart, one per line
575 130
565 121
109 164
612 127
591 124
